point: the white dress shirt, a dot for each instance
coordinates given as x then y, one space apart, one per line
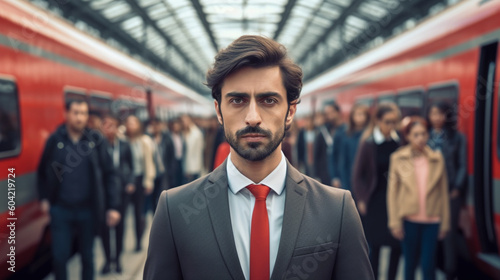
379 138
241 204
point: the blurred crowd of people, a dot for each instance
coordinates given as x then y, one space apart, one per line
406 176
163 155
95 166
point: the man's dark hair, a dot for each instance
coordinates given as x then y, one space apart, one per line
154 120
76 100
255 51
113 117
95 114
384 108
332 104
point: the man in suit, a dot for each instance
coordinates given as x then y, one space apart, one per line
256 217
121 156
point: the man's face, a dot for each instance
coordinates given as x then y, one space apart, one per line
77 116
133 125
156 127
253 111
331 115
95 122
177 126
110 127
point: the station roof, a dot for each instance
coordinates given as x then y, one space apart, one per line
181 37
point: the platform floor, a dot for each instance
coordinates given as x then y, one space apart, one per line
132 262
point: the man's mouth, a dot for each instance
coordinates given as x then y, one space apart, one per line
253 137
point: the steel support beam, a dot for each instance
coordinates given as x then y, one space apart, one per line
410 9
203 17
340 20
152 23
284 17
80 10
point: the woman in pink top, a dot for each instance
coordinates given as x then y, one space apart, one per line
417 199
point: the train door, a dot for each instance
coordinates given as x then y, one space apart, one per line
484 160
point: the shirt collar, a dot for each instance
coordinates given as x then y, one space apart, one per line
379 138
275 180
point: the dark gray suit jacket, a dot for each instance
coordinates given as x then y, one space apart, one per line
322 237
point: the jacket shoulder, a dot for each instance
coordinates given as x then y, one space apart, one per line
317 189
401 152
185 193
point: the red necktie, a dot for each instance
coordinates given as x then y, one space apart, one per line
259 236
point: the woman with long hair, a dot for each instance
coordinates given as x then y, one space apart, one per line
417 199
348 140
144 171
369 180
445 137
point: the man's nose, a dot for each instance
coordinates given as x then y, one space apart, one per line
253 117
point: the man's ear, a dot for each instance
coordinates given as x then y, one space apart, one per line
291 113
218 112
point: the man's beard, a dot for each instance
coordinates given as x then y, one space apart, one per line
256 151
76 128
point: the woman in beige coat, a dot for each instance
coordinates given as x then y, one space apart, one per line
417 199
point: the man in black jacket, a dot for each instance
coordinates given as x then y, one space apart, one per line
325 150
121 157
76 183
164 160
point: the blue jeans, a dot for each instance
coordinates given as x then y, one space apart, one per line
420 240
66 223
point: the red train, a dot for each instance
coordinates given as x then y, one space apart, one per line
43 61
452 56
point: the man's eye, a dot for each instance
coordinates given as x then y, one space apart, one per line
236 100
270 101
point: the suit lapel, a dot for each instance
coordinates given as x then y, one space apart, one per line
218 208
292 219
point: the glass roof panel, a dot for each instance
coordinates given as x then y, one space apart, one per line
116 10
132 23
158 11
147 3
177 3
190 32
100 4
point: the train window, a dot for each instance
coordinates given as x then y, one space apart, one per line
124 107
10 132
447 92
411 102
368 101
384 98
100 104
